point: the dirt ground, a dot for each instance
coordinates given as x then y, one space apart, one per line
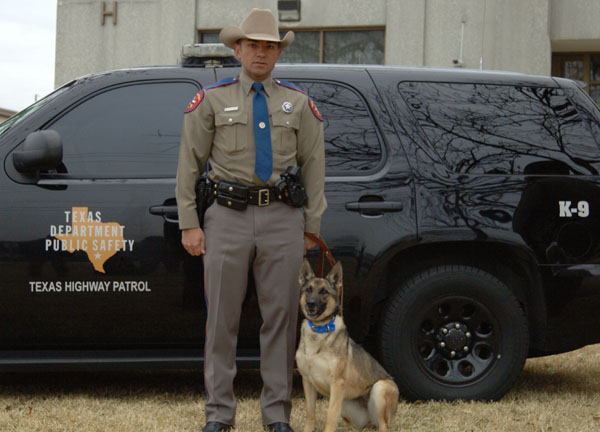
558 393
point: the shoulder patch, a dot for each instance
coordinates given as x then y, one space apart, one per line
195 102
200 95
314 109
223 82
289 85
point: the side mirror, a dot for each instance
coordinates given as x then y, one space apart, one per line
41 150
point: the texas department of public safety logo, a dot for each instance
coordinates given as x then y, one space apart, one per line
85 231
314 109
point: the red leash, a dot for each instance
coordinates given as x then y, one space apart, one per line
325 252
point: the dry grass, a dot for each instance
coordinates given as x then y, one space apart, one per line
558 393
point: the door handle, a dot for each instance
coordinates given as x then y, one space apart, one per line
169 212
375 206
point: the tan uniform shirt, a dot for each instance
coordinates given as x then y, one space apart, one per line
218 128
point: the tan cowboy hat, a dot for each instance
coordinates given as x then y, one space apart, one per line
260 24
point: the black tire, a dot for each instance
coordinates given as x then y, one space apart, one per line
454 332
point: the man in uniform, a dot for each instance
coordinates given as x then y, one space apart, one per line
250 129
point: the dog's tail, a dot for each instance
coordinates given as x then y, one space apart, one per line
383 403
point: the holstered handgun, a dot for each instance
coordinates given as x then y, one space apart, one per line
291 188
204 197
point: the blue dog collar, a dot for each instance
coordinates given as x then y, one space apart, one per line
327 328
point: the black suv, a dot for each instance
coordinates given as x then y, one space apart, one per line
463 205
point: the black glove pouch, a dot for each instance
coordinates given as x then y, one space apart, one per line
232 195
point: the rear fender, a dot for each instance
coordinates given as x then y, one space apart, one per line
515 265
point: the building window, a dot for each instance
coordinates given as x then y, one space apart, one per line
579 66
328 46
209 37
305 49
336 46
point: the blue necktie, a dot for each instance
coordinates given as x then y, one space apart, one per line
263 164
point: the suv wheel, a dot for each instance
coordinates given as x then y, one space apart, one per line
454 332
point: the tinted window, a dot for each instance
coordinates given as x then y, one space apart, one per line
351 142
497 129
587 108
129 131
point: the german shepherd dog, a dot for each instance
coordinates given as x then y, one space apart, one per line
332 364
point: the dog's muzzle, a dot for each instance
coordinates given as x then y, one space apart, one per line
312 309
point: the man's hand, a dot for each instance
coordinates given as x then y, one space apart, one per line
192 240
308 244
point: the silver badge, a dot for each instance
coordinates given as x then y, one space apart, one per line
287 107
262 125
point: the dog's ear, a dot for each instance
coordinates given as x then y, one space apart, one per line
335 275
306 272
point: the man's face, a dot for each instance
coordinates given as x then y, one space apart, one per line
258 57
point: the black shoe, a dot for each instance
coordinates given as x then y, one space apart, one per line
279 427
214 426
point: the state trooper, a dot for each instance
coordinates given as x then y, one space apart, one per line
249 129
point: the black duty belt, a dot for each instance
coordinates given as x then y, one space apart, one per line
263 196
237 196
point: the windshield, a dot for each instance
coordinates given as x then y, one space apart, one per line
31 109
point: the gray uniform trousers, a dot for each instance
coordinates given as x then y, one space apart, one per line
270 239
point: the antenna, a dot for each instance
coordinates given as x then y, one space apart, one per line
459 62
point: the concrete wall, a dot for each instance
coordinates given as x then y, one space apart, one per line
517 36
216 14
405 32
511 35
147 32
443 27
575 25
5 114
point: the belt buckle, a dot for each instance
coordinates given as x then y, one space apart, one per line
263 197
